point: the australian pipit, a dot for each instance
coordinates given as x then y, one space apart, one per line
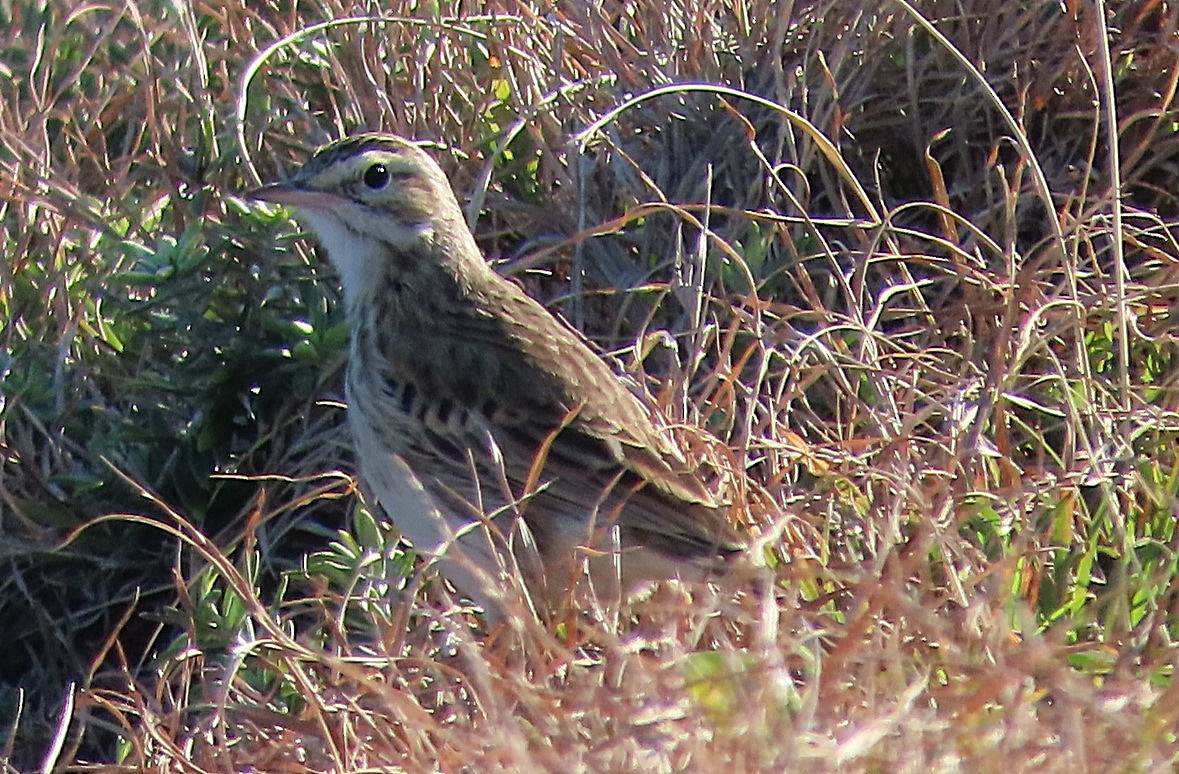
470 404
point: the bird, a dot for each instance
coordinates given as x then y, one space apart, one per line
486 428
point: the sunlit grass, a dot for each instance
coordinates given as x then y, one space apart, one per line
936 353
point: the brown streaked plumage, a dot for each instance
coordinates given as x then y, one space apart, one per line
468 400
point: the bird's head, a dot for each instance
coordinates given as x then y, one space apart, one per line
372 199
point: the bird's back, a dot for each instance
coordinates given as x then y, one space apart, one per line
492 390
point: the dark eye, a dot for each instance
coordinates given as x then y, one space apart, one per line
376 177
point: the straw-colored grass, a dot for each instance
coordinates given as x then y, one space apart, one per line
908 273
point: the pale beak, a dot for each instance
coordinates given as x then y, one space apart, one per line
292 196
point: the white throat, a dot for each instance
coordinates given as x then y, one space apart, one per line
359 254
355 255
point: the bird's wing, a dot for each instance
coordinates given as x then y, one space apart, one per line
540 389
603 424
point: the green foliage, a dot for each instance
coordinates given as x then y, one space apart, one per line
366 567
189 347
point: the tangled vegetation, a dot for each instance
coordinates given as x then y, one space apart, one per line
914 265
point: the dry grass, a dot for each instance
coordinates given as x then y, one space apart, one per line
876 252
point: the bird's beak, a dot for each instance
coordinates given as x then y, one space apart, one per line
291 196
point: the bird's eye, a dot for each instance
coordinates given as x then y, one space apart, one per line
376 177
